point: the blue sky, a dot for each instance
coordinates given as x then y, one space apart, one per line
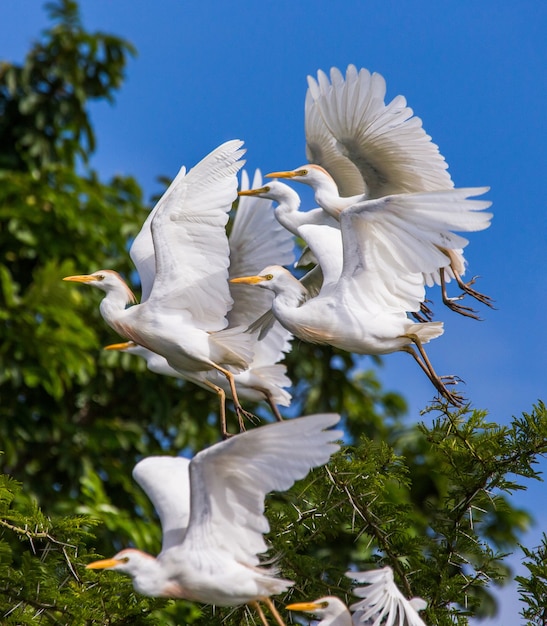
473 71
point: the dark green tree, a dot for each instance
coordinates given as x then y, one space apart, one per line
432 500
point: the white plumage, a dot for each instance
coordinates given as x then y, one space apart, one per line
212 512
382 604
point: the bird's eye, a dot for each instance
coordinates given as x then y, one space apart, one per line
266 189
125 559
302 173
323 605
99 276
268 277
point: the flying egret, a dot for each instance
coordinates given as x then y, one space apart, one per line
387 244
256 239
382 602
211 511
362 148
182 256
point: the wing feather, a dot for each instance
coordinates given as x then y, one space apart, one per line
230 480
389 242
383 602
166 482
190 241
386 143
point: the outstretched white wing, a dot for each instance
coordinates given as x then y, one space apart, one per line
389 242
385 142
142 249
230 480
190 242
256 241
322 149
383 603
166 481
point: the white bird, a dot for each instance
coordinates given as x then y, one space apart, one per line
212 513
256 239
184 275
387 244
383 603
362 148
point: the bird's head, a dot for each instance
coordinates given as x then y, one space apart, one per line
313 175
128 561
273 277
107 281
327 609
276 191
148 574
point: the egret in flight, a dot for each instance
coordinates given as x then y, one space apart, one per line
256 239
382 605
211 511
388 243
182 257
361 148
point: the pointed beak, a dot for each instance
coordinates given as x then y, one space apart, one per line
104 564
86 278
120 346
253 192
302 606
290 174
248 280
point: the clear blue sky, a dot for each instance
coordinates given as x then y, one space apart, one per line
475 72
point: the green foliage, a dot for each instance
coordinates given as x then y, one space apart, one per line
533 589
432 501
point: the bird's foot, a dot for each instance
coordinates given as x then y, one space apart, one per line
481 297
242 414
467 311
455 398
424 315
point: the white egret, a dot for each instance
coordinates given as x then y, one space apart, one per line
184 274
387 244
362 148
256 239
211 511
382 604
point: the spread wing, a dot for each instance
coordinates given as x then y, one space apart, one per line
386 143
190 242
166 481
142 249
256 241
230 480
390 241
322 149
383 602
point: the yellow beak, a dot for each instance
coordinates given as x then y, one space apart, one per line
248 280
253 192
290 174
104 564
302 606
86 278
120 346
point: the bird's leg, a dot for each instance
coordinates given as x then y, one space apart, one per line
241 413
273 406
222 396
424 362
466 287
260 612
274 611
451 302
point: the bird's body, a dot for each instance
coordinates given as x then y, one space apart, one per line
256 237
387 245
382 602
365 149
182 256
212 512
